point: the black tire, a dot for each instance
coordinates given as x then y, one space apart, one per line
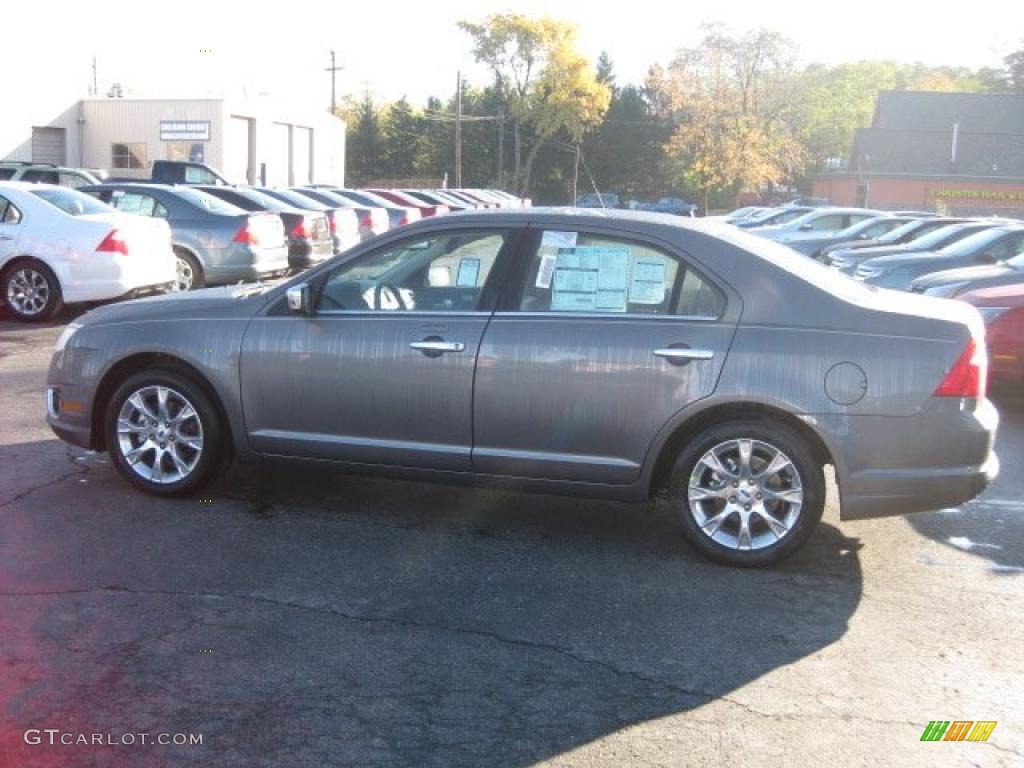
33 271
213 457
193 265
809 478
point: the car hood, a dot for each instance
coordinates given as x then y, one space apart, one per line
966 274
208 303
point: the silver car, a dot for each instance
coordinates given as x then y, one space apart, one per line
616 354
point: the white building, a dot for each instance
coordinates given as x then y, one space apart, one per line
247 140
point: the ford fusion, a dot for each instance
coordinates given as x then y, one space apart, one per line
604 353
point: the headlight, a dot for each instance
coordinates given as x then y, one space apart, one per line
946 291
65 337
991 314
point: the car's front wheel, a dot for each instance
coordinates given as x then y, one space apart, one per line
748 493
163 433
31 291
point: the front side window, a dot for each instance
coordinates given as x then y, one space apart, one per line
575 272
442 273
129 156
197 175
6 173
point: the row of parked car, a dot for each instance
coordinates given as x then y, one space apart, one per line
977 260
126 238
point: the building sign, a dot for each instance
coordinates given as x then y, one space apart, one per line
184 130
998 195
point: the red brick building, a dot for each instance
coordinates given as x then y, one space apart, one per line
961 153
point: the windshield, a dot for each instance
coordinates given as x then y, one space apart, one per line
782 217
899 233
974 243
297 199
207 202
264 201
937 238
71 202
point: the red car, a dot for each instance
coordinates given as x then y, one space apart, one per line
1002 308
401 198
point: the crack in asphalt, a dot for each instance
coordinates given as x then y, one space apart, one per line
80 470
693 693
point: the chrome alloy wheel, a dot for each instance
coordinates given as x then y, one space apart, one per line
160 435
745 494
28 292
186 277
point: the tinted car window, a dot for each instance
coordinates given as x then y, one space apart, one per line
6 173
977 242
43 177
579 272
71 202
446 272
207 202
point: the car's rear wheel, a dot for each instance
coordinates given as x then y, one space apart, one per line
190 273
163 433
748 493
31 291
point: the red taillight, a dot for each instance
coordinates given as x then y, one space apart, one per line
331 223
113 243
366 222
302 229
404 220
967 376
246 235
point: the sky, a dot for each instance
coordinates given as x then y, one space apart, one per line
414 49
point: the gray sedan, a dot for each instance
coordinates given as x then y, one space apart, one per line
215 241
614 354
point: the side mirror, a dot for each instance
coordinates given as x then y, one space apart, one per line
299 299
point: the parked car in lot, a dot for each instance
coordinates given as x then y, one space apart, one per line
608 354
598 200
398 215
214 242
774 217
816 222
435 198
308 232
986 247
813 243
342 221
902 235
45 173
1002 308
849 260
59 246
400 198
950 283
371 220
746 212
675 206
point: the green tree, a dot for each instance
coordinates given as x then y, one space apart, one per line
549 87
364 142
402 140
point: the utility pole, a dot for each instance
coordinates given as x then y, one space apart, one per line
575 175
333 69
458 130
501 149
95 87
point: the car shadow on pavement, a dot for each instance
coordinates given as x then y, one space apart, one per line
992 526
364 621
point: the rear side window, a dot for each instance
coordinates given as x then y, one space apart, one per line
41 177
6 173
575 272
139 204
9 214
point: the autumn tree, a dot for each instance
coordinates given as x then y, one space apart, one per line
549 86
732 95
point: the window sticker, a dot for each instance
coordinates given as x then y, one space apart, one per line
590 278
648 283
546 270
469 272
554 239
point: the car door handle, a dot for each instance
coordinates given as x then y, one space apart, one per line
683 354
438 346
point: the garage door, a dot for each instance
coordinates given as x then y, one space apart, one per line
277 156
48 145
302 154
236 151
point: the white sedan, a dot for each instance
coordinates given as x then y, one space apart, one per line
59 246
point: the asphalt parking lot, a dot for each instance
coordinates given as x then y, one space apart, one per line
296 617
